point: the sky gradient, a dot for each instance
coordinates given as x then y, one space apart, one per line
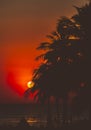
24 24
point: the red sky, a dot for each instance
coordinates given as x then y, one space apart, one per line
24 24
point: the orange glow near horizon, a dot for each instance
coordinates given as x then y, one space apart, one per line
19 65
18 81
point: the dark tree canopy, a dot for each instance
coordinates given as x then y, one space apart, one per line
66 60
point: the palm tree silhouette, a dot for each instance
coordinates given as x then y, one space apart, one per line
52 77
82 19
66 61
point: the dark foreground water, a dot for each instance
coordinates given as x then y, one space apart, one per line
35 115
15 120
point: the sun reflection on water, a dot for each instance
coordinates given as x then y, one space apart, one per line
31 120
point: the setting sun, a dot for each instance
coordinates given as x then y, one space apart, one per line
30 84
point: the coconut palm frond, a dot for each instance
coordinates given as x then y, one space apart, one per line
27 93
40 57
43 46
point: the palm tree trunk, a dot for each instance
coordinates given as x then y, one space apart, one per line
70 113
89 101
49 119
58 112
64 110
90 112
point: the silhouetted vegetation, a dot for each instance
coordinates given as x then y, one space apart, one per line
82 100
65 66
